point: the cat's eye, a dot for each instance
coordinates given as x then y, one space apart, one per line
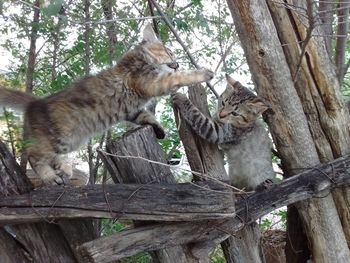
234 113
222 103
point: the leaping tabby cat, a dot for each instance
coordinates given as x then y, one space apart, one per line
60 123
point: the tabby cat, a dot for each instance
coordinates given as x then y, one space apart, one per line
237 131
60 123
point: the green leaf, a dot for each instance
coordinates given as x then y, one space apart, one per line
53 8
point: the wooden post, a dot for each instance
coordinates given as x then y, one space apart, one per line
130 168
32 242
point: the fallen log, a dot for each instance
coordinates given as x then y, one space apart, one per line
314 182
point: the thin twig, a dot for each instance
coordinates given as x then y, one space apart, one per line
206 176
311 27
176 35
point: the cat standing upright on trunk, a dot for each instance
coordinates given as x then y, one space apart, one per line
60 123
237 131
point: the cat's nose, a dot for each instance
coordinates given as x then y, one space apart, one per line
223 114
173 65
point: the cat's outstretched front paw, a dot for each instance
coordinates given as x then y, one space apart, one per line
207 74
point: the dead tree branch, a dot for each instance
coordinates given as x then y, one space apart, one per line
314 183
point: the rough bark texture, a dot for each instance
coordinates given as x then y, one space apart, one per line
162 202
90 201
326 12
249 209
202 156
319 92
143 143
35 242
243 251
288 124
341 40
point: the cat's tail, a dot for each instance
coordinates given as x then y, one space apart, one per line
15 99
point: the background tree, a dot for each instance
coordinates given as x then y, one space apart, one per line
299 69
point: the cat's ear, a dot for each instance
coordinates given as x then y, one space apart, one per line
258 106
149 35
231 83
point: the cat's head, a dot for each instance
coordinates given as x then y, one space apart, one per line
155 50
239 106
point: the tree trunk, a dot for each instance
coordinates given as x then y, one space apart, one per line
30 71
289 125
143 143
319 91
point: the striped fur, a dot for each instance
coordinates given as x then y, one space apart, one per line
236 130
62 122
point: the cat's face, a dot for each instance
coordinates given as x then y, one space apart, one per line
239 106
157 52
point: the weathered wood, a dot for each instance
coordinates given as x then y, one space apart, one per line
143 143
319 92
129 167
236 248
316 182
10 250
163 202
288 125
35 242
203 157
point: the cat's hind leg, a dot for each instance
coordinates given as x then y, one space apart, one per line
41 156
62 167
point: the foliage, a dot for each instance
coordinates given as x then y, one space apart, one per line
109 227
276 219
205 26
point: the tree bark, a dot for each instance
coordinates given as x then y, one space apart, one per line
162 202
288 124
326 17
143 143
319 92
236 248
156 236
35 242
190 202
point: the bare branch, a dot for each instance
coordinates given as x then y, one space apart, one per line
311 20
312 183
173 30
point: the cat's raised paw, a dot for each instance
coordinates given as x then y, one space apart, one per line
178 97
208 74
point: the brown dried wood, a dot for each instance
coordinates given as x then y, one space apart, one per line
142 143
31 242
162 202
315 182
